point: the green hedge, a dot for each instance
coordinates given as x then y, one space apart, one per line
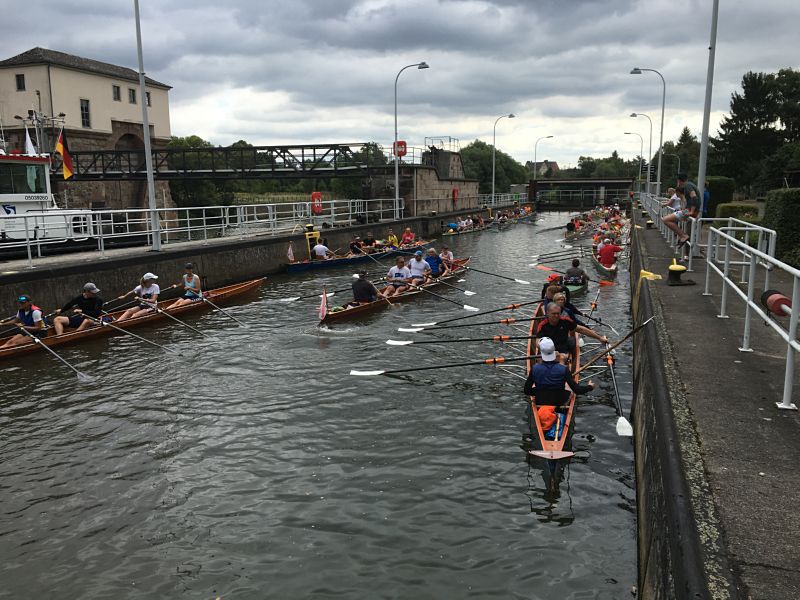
782 213
721 190
744 211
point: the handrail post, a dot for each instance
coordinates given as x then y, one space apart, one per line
205 228
710 256
751 286
788 382
188 224
102 241
28 242
725 276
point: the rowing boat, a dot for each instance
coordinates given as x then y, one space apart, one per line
577 288
608 272
464 231
339 313
552 449
216 295
338 261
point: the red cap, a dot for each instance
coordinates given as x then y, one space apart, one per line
553 277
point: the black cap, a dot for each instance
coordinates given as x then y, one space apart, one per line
682 177
188 266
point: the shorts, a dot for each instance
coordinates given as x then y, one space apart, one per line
417 278
683 214
76 320
190 296
399 284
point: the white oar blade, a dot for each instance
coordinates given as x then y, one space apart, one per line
567 247
624 428
410 329
399 342
533 264
289 299
329 294
471 308
461 281
468 293
366 373
431 324
522 281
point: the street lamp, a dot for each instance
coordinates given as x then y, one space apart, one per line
641 149
494 138
419 65
535 166
639 71
649 147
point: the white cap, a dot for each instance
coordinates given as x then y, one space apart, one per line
149 276
547 349
607 241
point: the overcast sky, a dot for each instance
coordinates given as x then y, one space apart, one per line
310 71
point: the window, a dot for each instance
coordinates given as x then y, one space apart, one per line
131 96
116 93
86 119
147 95
20 82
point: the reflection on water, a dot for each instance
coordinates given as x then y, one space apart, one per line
253 466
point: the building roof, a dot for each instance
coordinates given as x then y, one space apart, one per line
43 56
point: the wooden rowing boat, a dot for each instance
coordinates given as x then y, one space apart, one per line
608 272
338 261
337 314
216 296
551 449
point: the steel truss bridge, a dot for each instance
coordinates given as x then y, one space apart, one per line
251 162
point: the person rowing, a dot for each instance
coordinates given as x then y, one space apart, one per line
408 237
320 251
30 318
398 279
547 378
567 309
147 291
607 254
437 265
391 239
575 275
87 304
364 291
419 267
558 328
191 288
355 246
368 243
446 256
554 280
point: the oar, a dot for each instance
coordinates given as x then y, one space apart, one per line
223 311
501 322
14 327
601 323
554 260
613 346
623 426
455 287
486 312
125 331
497 360
81 376
494 338
176 319
464 306
522 281
314 295
559 253
597 281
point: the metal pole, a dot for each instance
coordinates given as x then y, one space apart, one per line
701 170
148 155
420 65
788 377
494 143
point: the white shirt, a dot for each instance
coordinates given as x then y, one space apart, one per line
446 256
147 292
675 202
321 250
418 268
399 274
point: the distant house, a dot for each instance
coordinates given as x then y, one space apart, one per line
542 168
101 108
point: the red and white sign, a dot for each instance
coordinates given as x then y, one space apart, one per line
400 148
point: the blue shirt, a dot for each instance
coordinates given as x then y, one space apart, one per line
436 264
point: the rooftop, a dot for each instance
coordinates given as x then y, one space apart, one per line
43 56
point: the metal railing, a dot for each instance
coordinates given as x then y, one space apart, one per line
586 198
723 241
502 199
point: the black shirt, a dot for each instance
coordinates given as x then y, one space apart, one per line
90 306
559 332
364 291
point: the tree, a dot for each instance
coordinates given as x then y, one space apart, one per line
477 161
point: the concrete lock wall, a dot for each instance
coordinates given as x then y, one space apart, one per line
220 262
670 561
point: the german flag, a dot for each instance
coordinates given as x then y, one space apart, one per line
66 159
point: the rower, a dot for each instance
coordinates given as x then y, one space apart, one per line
420 269
438 266
364 291
398 277
569 311
88 303
391 239
30 318
407 238
147 291
602 244
446 256
575 275
554 279
368 243
355 246
321 251
191 287
607 254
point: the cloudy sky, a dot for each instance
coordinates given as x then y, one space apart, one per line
310 71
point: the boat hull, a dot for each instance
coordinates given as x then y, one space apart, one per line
313 265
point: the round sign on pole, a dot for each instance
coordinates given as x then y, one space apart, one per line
400 148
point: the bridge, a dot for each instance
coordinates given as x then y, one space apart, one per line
360 159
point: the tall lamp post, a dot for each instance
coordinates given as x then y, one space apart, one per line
494 143
639 71
419 65
641 149
649 147
535 166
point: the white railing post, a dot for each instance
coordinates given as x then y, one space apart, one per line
751 286
788 377
710 257
724 302
28 242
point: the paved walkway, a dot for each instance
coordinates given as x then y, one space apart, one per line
747 476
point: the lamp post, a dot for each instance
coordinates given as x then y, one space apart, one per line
419 65
641 150
494 141
649 147
535 166
639 71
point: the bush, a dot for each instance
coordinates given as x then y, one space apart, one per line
782 213
721 191
745 212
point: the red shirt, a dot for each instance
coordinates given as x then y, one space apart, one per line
408 238
607 253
